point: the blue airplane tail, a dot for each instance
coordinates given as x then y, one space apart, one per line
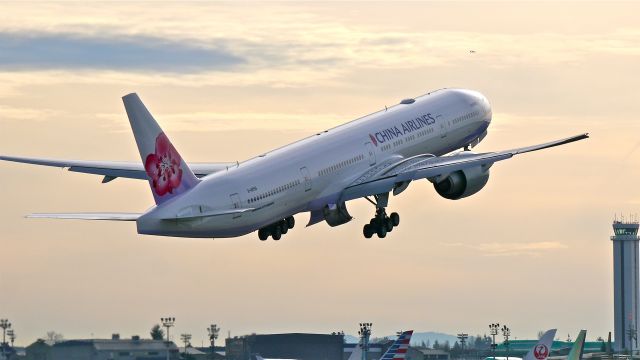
398 350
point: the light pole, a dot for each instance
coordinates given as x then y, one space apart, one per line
4 324
167 323
12 336
365 333
506 332
186 339
463 340
213 331
494 331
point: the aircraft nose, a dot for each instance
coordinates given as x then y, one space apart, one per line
486 107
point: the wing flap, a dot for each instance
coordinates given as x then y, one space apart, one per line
87 216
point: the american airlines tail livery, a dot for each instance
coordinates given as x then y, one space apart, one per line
397 350
369 158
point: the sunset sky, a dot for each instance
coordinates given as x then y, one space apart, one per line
228 81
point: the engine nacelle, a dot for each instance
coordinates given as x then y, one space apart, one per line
336 214
463 183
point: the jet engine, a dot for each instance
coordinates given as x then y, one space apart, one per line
462 183
336 214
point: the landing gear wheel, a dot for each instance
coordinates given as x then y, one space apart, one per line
263 234
367 230
283 227
395 219
389 224
291 222
277 234
382 232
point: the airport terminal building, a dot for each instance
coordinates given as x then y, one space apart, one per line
286 346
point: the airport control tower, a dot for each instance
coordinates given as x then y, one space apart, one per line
625 281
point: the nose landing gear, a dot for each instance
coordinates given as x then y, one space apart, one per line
380 224
277 229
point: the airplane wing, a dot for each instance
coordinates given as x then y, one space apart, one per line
87 216
114 169
396 174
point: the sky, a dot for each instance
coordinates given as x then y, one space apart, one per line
228 81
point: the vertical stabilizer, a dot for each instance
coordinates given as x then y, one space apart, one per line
356 354
543 348
168 173
578 347
398 350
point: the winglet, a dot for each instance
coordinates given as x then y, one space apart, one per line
167 172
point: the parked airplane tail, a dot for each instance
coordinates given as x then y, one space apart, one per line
543 348
398 349
167 172
578 347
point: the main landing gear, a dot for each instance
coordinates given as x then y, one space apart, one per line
381 224
276 230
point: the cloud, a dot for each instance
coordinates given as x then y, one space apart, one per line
8 112
209 36
512 249
139 53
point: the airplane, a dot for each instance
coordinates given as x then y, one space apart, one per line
540 351
370 157
397 350
578 346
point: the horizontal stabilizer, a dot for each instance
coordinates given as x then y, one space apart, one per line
87 216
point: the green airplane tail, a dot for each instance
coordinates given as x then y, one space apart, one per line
578 347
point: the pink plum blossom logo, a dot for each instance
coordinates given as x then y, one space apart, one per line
373 140
164 167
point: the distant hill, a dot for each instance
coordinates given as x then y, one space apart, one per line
416 339
431 337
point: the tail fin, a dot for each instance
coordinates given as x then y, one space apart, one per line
398 349
167 172
578 347
543 348
356 354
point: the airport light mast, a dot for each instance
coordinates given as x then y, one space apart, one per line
4 324
506 332
463 340
12 336
625 279
493 328
213 331
168 322
186 339
365 333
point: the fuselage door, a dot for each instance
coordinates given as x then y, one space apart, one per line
235 201
444 127
372 152
306 178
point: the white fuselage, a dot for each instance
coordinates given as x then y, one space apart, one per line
310 174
